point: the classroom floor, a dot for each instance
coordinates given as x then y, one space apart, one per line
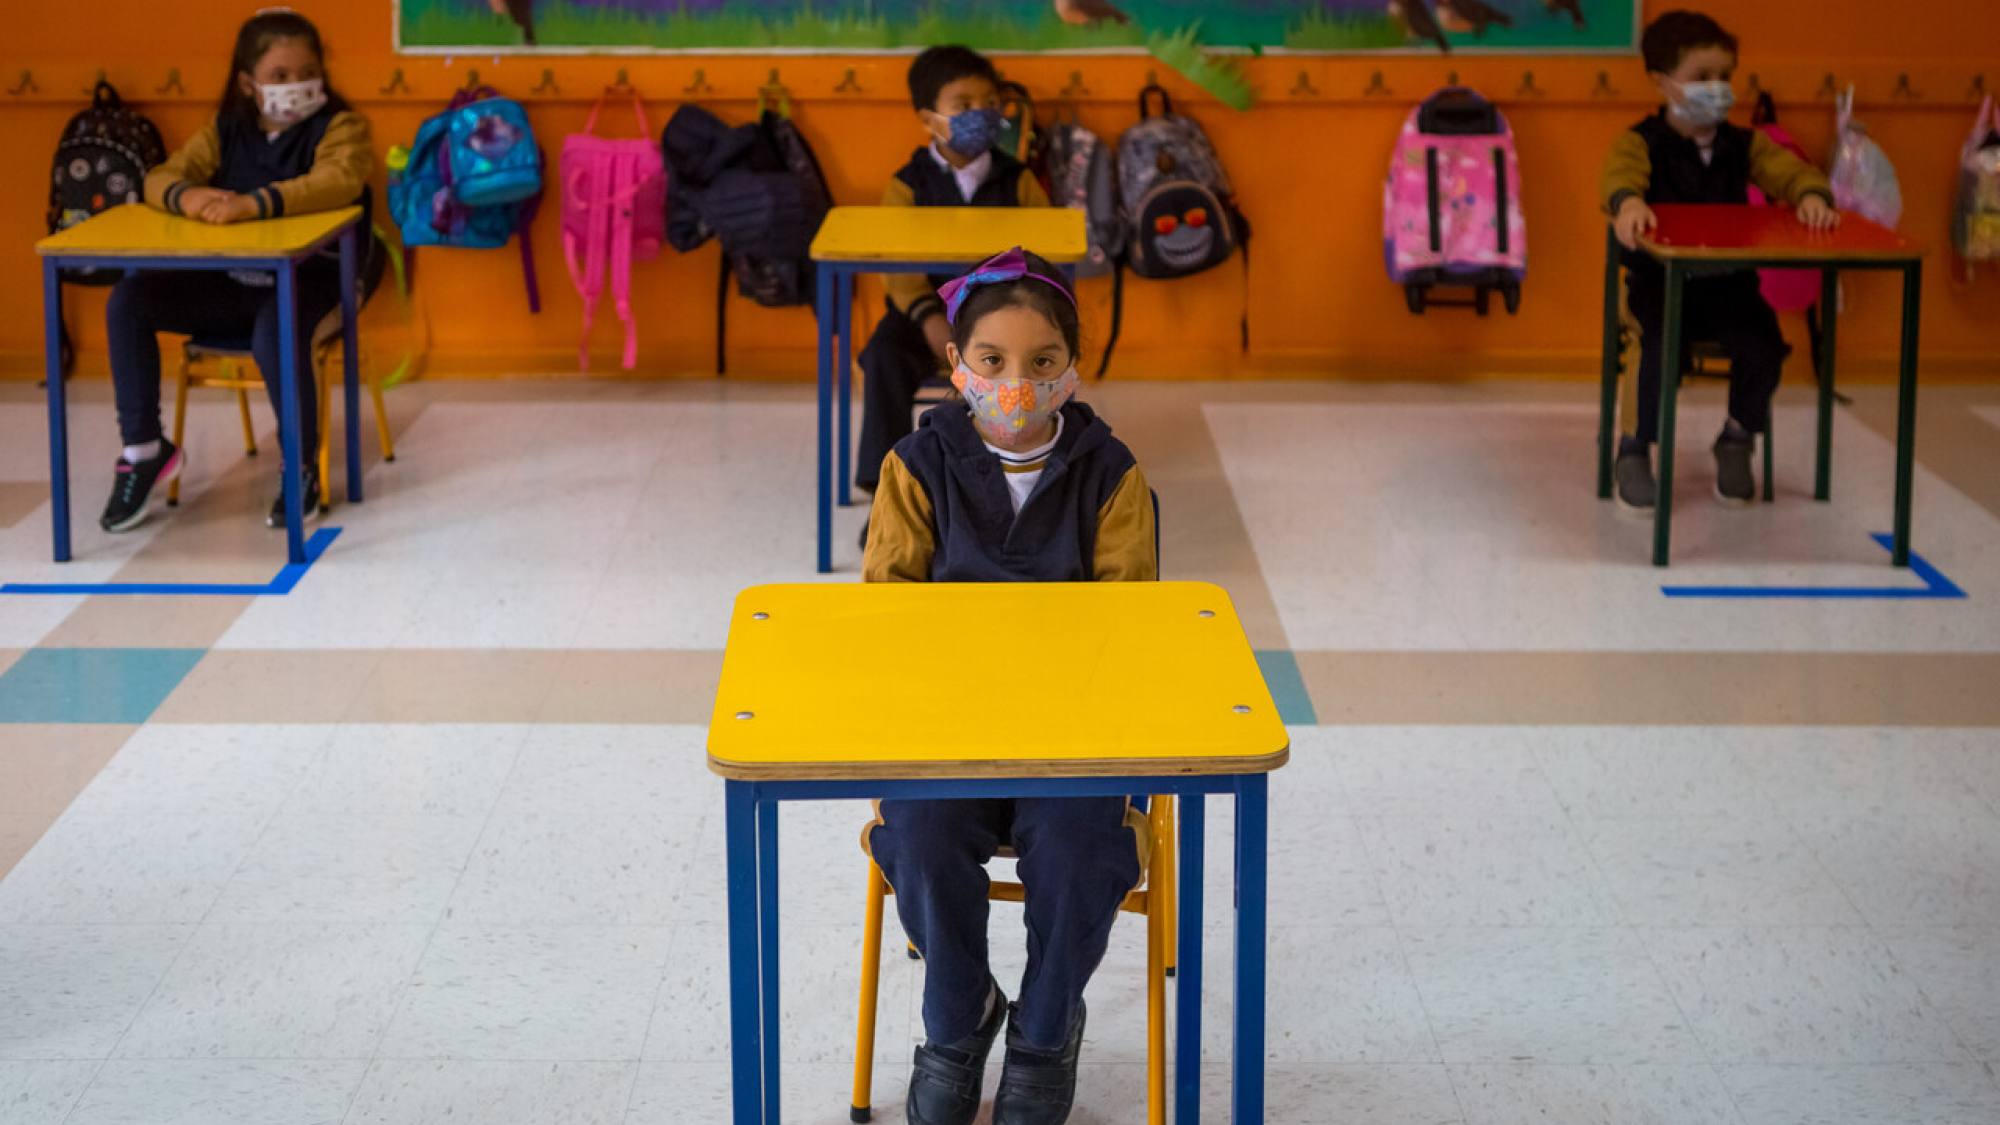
431 838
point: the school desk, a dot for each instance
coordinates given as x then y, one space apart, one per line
1693 240
1153 689
137 237
857 240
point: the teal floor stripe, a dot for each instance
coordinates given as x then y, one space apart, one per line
92 685
1288 688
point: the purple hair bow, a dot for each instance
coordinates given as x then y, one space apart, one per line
1010 266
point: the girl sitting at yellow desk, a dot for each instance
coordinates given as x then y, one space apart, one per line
1018 482
282 143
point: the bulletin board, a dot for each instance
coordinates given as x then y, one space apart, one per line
1013 26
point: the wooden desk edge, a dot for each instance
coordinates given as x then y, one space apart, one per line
1802 257
994 770
1060 258
43 249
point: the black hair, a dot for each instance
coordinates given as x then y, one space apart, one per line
938 67
252 40
1053 301
1668 39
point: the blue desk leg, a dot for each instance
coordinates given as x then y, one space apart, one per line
288 417
843 358
1187 968
745 1018
767 941
1252 832
350 361
823 294
58 407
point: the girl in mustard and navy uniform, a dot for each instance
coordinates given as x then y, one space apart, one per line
282 143
1016 483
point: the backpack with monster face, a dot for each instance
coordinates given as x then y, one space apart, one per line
1179 213
100 163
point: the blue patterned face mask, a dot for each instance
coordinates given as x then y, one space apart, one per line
1704 105
974 131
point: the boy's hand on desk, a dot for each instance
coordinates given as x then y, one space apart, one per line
1634 219
937 331
1817 214
228 208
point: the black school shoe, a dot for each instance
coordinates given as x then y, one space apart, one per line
945 1081
1634 488
308 499
133 486
1038 1087
1735 481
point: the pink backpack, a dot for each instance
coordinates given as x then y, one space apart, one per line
1451 206
614 211
1786 290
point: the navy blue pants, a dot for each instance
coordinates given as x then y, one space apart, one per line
212 306
1727 310
1077 858
895 364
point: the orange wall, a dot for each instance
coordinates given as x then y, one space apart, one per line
1307 164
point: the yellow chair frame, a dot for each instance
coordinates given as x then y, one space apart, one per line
230 375
1154 898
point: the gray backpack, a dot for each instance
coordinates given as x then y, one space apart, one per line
1080 178
1179 216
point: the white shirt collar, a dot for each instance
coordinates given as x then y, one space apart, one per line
1028 456
969 177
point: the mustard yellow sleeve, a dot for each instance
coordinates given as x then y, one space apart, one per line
192 165
340 170
1126 541
1628 171
1780 174
902 533
909 292
1030 191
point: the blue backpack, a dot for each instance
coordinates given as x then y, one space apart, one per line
472 178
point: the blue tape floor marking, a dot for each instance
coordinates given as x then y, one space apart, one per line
287 578
1936 585
1288 688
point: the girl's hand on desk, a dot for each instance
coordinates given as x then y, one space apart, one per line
1634 218
193 200
229 208
1817 214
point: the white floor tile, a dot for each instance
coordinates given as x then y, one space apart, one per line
69 992
552 992
1911 1094
1485 870
1958 969
1593 1095
1545 995
1714 872
36 1093
277 991
671 1093
1608 773
118 866
211 1092
351 867
1450 771
205 770
425 768
427 1091
1914 871
1799 995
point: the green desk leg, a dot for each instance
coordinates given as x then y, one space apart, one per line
1906 409
1670 387
1607 407
1770 479
1829 316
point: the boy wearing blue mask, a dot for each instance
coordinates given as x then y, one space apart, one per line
1688 152
956 94
1019 482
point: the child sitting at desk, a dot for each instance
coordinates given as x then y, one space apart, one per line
1688 152
282 143
956 93
1017 483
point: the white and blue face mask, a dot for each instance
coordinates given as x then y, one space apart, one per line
1704 105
